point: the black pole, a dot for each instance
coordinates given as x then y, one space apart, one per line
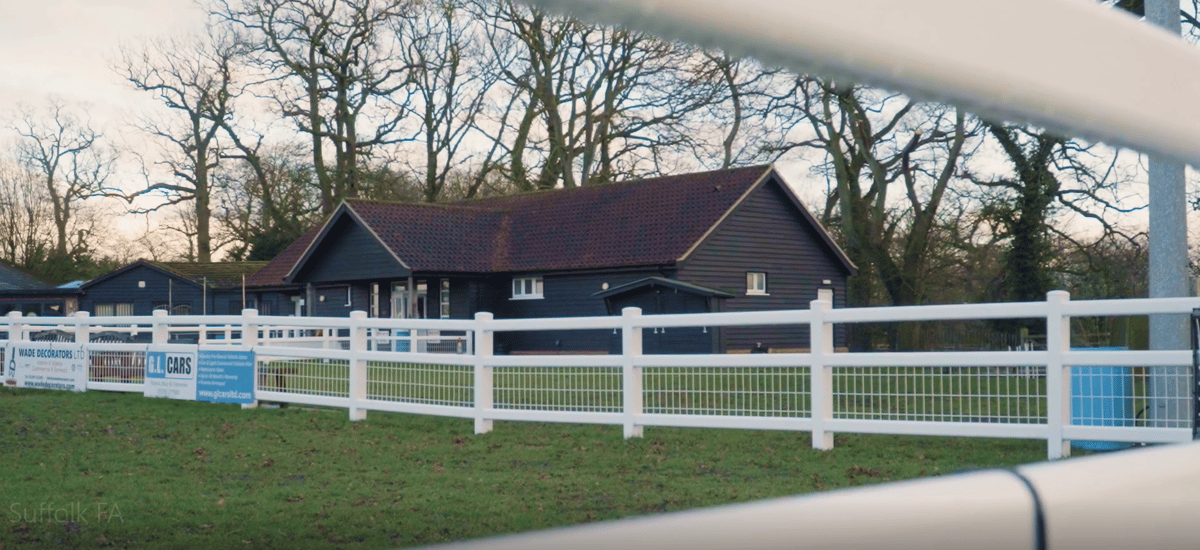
1195 330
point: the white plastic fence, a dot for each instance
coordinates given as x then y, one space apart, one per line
1144 498
448 368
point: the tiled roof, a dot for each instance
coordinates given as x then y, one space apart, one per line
13 278
278 268
645 222
216 274
652 221
432 237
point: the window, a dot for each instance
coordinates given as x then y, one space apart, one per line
109 310
756 283
527 288
445 299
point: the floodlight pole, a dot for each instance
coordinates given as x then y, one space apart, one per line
1168 261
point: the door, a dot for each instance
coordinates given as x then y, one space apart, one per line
402 308
674 340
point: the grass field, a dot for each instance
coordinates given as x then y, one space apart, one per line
124 471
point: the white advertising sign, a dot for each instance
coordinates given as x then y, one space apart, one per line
171 374
45 366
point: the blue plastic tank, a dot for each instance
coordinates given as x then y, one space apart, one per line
1101 396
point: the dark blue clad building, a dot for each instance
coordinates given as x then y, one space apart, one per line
727 240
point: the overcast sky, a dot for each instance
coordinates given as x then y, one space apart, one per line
63 47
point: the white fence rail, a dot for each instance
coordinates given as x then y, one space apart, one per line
1140 499
448 368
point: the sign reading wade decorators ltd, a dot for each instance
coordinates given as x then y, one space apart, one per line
45 366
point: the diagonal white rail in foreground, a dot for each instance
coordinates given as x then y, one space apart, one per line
1136 499
1072 65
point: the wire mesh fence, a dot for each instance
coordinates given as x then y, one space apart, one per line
1131 396
940 394
430 384
126 367
579 389
727 391
308 376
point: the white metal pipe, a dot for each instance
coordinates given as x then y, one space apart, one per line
989 511
1133 499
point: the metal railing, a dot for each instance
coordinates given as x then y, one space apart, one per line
448 368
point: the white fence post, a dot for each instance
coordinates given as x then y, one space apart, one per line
358 365
250 328
484 383
631 372
159 327
82 327
249 342
1058 381
820 336
16 329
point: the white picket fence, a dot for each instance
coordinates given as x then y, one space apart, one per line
360 364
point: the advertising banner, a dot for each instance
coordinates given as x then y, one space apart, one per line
170 374
226 376
45 366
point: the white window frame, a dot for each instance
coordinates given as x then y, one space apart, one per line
444 300
528 288
756 283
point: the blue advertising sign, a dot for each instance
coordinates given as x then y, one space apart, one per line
225 376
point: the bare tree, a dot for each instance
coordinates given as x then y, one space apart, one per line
339 78
25 214
268 200
195 78
1050 174
71 160
873 146
452 78
732 121
889 162
595 104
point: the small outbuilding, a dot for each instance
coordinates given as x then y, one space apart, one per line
23 292
182 288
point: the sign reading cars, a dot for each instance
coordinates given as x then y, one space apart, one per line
216 376
170 374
